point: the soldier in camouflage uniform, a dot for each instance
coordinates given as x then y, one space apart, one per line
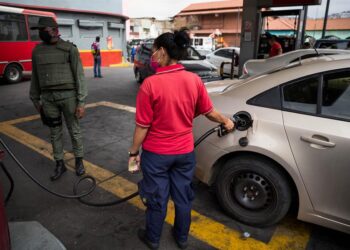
58 88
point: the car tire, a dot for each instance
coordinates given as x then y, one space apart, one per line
13 73
138 76
254 191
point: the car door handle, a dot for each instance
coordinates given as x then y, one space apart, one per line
318 140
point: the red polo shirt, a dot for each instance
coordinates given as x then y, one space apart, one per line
167 103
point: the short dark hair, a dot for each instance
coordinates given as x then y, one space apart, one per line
97 39
175 44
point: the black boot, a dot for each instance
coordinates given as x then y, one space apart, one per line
59 171
79 166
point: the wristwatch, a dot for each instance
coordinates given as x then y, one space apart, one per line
133 154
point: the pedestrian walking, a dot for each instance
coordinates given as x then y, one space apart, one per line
58 88
96 52
167 103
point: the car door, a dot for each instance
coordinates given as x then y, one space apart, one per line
316 113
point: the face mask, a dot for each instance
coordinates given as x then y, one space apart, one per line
45 36
155 63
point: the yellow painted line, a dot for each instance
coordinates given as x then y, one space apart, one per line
120 65
21 120
44 148
288 235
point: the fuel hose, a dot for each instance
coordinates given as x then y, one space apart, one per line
79 196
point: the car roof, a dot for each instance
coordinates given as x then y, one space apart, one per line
258 66
267 80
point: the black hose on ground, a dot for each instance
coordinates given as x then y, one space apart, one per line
77 196
65 196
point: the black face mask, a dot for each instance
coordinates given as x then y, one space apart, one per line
45 36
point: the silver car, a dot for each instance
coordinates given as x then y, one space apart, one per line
258 66
292 144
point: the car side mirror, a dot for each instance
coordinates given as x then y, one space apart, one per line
203 57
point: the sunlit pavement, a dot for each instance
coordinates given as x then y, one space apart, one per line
108 128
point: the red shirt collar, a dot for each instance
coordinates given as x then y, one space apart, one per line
170 68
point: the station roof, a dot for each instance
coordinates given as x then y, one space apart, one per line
211 7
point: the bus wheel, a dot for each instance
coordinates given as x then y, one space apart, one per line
13 73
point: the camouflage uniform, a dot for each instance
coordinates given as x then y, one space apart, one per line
58 82
58 87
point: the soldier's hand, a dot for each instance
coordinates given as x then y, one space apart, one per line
79 112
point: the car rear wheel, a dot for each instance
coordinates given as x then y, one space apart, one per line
138 76
254 191
13 73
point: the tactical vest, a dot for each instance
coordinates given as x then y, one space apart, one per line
53 66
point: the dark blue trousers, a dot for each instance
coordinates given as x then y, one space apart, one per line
97 66
165 175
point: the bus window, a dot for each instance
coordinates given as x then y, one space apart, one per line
12 27
32 22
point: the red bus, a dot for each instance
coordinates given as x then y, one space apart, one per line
17 41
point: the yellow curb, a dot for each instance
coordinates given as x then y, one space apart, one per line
120 65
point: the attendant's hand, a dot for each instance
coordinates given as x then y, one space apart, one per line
80 112
229 125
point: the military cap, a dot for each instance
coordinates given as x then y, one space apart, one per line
45 22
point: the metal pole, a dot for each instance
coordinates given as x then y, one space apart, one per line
325 19
303 31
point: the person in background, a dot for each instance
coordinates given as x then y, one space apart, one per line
276 48
96 52
58 89
166 105
128 50
133 53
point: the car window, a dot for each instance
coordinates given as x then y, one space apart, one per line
334 45
301 96
268 99
336 95
220 53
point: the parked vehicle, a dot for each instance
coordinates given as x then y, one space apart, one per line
194 62
254 67
204 52
17 41
333 44
204 42
224 55
297 147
